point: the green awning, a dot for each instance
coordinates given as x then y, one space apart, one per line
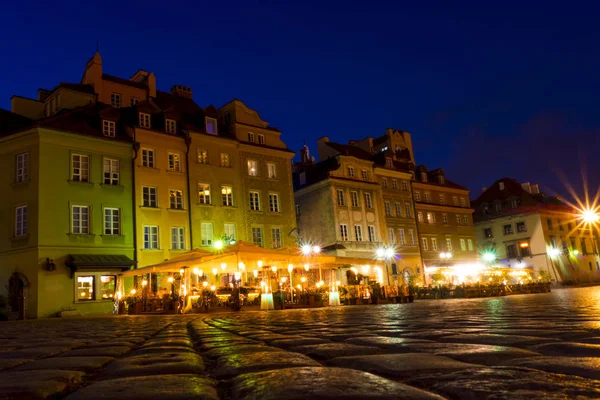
90 262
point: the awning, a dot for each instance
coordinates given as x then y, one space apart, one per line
90 262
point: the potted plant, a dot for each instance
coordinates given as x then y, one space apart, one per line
352 295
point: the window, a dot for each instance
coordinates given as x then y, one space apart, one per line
341 198
80 168
455 200
445 219
428 197
206 233
303 178
424 244
151 237
22 168
254 201
174 162
431 218
252 167
583 246
148 158
202 156
170 126
513 203
423 176
211 125
411 236
21 221
144 120
227 196
407 211
434 244
273 202
80 220
107 286
133 101
417 196
404 186
398 209
85 287
463 245
364 174
112 221
508 229
498 207
271 171
358 233
372 237
344 232
108 128
351 172
511 251
487 233
368 201
441 179
402 236
394 184
448 244
463 202
226 118
176 199
257 235
177 238
442 199
560 225
203 193
549 224
275 233
570 227
573 243
458 220
354 199
389 163
149 198
251 137
392 235
115 100
420 217
230 231
388 209
225 160
111 171
521 227
470 244
384 182
261 139
297 210
465 220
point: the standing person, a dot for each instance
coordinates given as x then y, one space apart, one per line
401 293
405 292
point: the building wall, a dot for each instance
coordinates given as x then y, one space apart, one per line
26 107
316 219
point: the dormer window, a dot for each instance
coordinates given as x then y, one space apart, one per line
108 128
115 100
211 125
389 163
144 120
226 118
351 172
133 101
251 137
171 126
261 139
384 149
441 179
423 176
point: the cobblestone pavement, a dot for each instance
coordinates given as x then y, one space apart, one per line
543 346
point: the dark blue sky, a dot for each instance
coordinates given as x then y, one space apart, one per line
486 92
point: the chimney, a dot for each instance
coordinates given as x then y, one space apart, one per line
182 91
526 186
305 155
501 184
152 85
483 189
42 94
535 189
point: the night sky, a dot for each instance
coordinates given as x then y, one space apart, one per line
486 92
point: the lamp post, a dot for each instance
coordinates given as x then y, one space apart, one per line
385 253
309 250
553 254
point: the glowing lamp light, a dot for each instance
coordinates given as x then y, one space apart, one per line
133 291
524 245
306 249
215 271
365 268
290 268
205 284
119 295
389 253
274 269
181 271
575 252
196 271
223 266
380 252
231 285
488 257
262 284
316 249
306 267
218 244
255 273
170 279
553 252
237 275
353 269
144 282
242 266
259 263
284 279
303 279
213 288
299 286
590 216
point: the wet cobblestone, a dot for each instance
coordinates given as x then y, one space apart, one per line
542 346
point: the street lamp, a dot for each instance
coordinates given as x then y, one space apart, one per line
386 254
489 257
553 252
590 216
445 255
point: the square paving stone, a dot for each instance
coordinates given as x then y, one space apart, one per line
401 366
183 342
156 364
510 383
387 343
474 353
172 387
300 341
33 385
499 340
321 383
68 363
238 349
585 367
327 351
237 364
570 349
109 351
